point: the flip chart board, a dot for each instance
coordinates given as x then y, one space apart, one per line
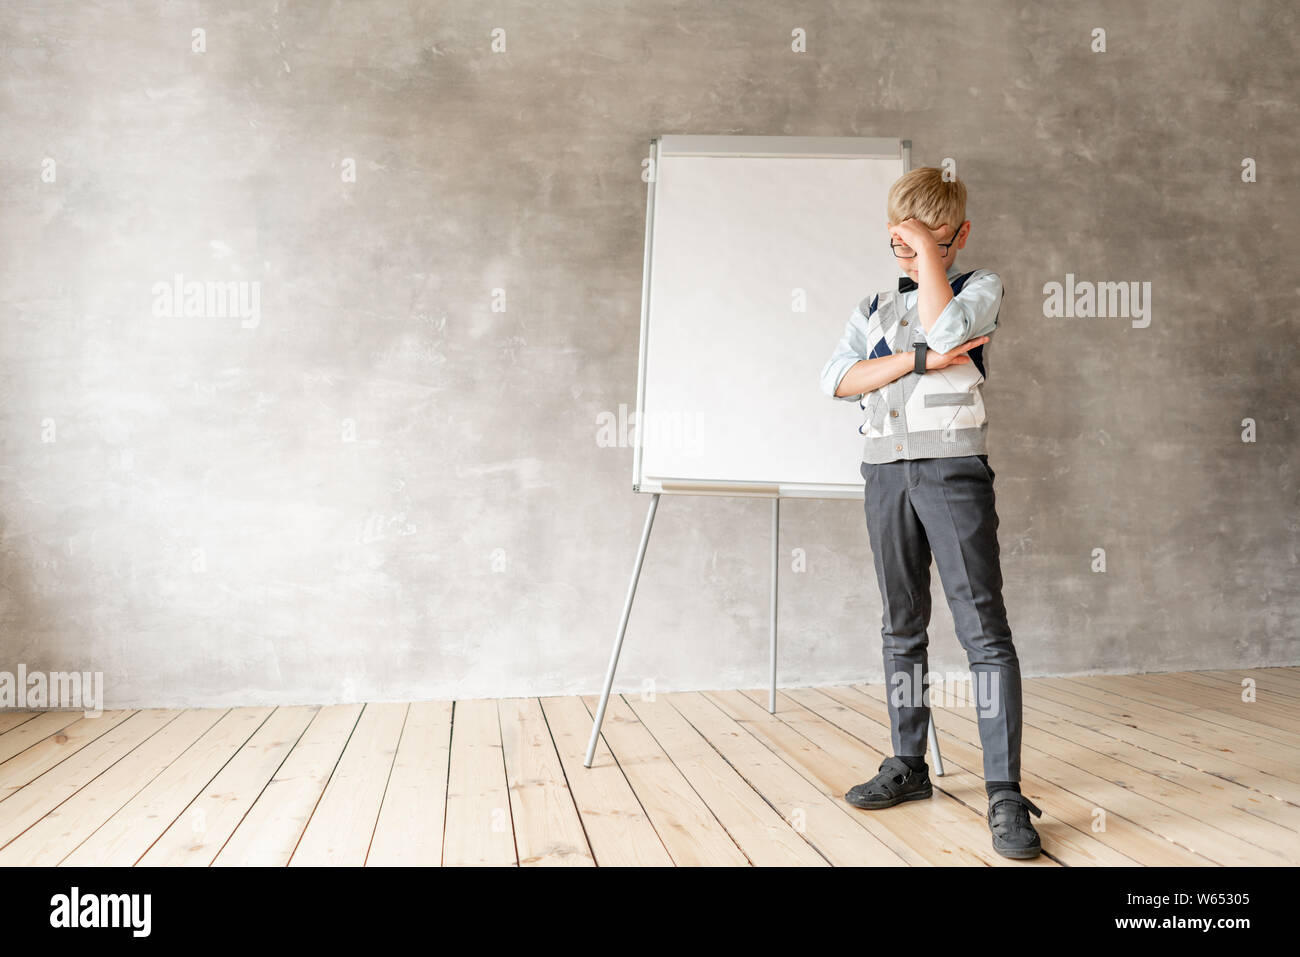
757 250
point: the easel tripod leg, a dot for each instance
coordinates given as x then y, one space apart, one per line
776 535
622 630
934 748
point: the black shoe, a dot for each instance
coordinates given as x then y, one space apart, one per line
895 784
1013 835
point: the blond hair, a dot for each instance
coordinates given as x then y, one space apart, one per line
923 194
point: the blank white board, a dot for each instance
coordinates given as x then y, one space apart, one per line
757 250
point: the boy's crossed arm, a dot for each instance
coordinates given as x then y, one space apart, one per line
868 375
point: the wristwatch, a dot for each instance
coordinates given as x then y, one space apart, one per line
921 349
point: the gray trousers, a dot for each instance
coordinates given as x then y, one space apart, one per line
945 507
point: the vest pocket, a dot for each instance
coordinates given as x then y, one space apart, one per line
949 398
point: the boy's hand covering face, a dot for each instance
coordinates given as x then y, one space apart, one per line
914 233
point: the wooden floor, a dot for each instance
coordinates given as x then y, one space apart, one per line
1129 770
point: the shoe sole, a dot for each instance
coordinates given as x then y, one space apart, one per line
881 805
1019 853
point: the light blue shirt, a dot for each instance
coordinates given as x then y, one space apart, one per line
972 312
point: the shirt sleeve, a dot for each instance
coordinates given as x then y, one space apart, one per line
851 349
972 312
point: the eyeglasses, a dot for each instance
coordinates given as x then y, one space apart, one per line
907 252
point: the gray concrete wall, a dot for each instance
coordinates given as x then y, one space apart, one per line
382 485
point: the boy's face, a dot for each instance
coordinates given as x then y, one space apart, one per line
914 228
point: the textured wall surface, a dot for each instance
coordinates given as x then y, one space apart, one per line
381 479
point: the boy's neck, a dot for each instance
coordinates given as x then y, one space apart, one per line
951 273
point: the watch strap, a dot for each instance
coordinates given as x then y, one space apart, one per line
919 367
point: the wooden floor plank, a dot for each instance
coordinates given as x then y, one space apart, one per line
1064 827
12 719
1265 683
25 806
479 832
1275 690
618 831
343 823
1237 787
56 834
131 831
27 766
688 829
1197 732
766 838
1224 713
842 838
548 830
409 832
197 835
1158 731
1202 692
270 831
21 737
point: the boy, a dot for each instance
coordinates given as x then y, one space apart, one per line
914 359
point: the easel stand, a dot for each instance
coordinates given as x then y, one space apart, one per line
627 613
